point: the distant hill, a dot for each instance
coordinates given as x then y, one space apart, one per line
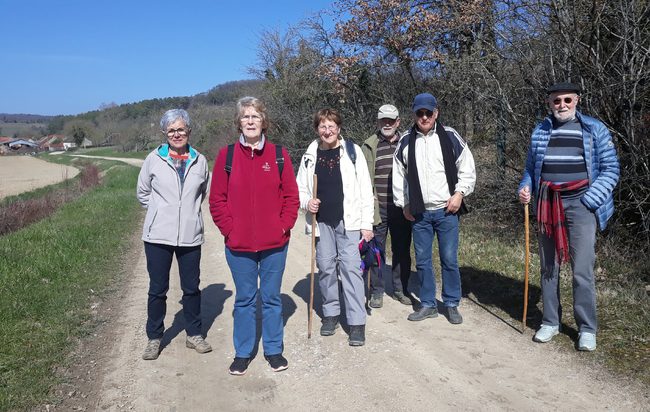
24 118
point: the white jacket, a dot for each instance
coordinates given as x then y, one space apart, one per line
358 200
431 169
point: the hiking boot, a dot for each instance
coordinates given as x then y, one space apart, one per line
278 362
402 298
357 335
546 333
587 341
330 324
423 313
376 300
198 343
152 350
453 315
239 366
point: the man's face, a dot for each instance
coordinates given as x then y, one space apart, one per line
388 127
425 119
563 105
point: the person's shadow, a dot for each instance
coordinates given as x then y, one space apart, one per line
213 298
491 288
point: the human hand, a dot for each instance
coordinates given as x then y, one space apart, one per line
313 205
367 235
454 202
524 195
407 213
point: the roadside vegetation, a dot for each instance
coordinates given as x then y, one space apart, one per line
51 271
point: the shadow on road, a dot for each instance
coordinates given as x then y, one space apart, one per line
213 298
491 289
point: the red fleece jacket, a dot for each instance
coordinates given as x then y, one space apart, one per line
254 209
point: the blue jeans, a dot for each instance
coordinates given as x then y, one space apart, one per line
246 267
159 261
425 227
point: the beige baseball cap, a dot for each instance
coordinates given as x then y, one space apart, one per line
388 111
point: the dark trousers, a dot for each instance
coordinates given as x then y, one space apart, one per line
393 222
159 262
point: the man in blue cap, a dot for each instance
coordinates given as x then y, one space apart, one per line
572 168
433 170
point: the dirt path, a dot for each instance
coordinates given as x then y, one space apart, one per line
482 365
20 174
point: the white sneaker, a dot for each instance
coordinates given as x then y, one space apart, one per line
587 341
546 333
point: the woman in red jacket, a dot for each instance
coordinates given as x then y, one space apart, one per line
255 208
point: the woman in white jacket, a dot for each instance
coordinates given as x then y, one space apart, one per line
172 184
343 206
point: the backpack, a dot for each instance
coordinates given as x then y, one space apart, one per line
279 159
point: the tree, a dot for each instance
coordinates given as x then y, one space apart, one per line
80 130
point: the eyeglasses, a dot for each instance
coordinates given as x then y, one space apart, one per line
254 118
326 128
180 131
567 100
421 113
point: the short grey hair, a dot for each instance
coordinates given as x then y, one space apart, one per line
255 103
171 116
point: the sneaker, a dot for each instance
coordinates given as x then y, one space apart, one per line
198 343
357 335
376 300
239 366
152 350
423 313
278 362
453 315
402 298
330 324
587 341
546 333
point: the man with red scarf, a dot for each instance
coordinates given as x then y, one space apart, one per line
572 168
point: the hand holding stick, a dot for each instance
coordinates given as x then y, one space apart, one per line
527 265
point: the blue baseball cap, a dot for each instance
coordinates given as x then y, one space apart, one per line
424 101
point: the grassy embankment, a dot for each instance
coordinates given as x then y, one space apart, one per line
50 271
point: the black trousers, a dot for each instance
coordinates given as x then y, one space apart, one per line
393 222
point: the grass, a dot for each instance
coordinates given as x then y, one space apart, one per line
50 272
112 152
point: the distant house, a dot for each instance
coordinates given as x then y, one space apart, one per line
53 142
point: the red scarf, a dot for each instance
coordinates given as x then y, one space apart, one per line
550 214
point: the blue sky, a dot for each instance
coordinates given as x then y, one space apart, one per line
69 56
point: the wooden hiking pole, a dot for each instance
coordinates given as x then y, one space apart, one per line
527 265
313 259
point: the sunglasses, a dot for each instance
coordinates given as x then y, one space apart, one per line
421 113
567 100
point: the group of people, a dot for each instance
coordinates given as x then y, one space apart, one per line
408 185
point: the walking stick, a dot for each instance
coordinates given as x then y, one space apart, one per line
527 265
313 259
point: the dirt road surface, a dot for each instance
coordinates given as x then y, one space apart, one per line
484 364
26 173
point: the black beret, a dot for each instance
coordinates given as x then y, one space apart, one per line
564 87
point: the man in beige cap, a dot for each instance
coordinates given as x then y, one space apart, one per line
378 150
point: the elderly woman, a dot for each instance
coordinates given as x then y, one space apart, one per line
171 186
343 205
254 202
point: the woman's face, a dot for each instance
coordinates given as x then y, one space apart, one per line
328 132
177 136
251 124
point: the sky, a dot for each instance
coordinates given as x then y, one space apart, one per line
70 56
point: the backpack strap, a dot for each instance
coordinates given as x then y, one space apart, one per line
231 151
352 154
279 159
